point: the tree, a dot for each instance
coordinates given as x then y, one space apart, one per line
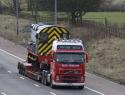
107 5
0 7
14 5
32 6
77 8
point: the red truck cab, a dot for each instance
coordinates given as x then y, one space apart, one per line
68 63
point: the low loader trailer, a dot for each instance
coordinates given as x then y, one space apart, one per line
53 58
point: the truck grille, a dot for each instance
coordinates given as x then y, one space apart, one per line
69 79
70 71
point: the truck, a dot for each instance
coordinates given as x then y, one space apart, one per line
53 58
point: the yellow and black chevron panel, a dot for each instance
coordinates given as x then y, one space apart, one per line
54 32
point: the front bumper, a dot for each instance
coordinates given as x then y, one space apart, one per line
68 84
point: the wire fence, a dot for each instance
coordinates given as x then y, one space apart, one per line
96 30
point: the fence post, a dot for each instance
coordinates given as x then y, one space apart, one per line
106 22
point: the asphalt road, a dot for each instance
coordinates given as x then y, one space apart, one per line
11 83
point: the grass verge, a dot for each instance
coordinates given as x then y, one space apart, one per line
112 17
107 58
8 29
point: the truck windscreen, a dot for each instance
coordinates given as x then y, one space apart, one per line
70 58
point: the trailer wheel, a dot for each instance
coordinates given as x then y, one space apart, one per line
21 70
45 82
19 67
44 78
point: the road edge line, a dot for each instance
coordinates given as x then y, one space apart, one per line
24 60
12 55
94 90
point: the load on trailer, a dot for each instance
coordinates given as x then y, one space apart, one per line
53 58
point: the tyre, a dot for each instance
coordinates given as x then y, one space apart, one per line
20 69
45 78
23 71
45 81
42 78
51 84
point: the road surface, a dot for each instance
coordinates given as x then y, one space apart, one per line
11 83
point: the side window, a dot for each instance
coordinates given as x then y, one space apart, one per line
43 37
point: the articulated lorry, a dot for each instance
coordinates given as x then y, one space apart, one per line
53 58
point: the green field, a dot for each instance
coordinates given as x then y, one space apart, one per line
112 17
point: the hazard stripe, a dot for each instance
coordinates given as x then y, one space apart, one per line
49 52
42 47
49 43
50 29
47 48
54 32
58 29
46 53
63 30
45 45
53 38
45 30
41 52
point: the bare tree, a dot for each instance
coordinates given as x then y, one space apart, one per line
77 8
0 7
14 5
32 6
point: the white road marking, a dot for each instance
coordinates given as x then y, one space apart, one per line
22 78
9 72
94 90
12 55
52 93
2 93
38 85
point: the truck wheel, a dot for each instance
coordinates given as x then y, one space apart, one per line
45 78
23 71
18 66
45 82
51 84
20 69
42 79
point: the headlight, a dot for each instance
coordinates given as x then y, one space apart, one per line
82 79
